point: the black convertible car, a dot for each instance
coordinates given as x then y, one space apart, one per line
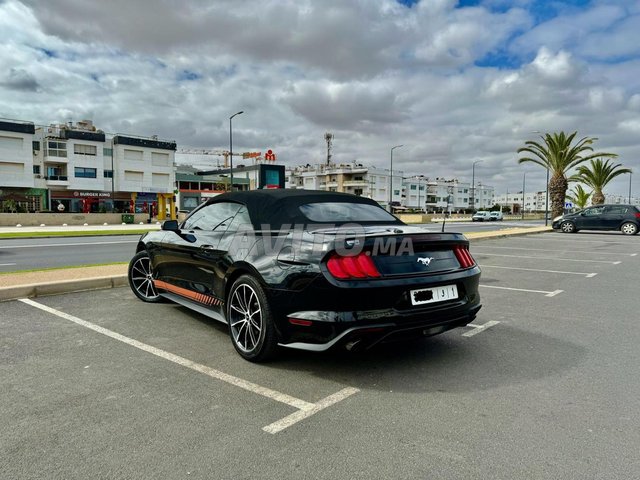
309 270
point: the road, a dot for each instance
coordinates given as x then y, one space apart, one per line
39 253
542 386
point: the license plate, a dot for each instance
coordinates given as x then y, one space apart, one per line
433 295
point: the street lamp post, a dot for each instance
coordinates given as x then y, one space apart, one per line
473 186
546 206
391 178
630 187
524 178
231 147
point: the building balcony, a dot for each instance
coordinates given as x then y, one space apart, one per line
355 183
52 159
57 181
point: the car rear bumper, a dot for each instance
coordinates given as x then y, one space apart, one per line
322 330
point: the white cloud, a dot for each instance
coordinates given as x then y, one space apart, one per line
375 74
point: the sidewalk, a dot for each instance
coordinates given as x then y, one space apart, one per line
66 280
82 228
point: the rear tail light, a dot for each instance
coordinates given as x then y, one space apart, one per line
464 257
356 266
637 215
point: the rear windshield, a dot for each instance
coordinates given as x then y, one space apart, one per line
339 212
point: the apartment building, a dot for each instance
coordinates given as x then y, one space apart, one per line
77 168
456 196
20 185
533 201
354 178
416 192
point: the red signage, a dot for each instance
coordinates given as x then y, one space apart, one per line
270 156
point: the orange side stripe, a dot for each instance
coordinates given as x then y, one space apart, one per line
196 296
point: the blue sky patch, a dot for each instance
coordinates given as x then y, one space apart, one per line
49 53
188 75
408 3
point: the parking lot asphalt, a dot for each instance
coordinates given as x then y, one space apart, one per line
543 385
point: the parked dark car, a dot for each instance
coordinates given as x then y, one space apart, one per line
308 270
625 218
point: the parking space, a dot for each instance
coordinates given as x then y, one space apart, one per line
99 383
548 264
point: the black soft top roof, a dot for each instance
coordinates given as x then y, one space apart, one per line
277 207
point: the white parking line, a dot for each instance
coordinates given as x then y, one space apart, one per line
587 275
294 418
551 258
479 328
563 251
546 294
306 409
6 264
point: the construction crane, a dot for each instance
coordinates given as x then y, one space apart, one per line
201 151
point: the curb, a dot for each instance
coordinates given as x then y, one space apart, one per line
65 286
114 281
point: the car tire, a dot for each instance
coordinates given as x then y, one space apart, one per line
140 276
629 228
250 319
568 227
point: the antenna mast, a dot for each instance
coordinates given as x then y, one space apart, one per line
328 137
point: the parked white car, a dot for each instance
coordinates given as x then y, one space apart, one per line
481 216
496 216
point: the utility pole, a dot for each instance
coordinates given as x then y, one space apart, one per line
391 179
231 148
473 186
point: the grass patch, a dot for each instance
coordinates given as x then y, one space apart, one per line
83 233
62 268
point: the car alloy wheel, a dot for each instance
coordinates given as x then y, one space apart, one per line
141 278
250 320
568 227
629 228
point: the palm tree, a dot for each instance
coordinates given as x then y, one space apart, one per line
558 155
598 175
580 197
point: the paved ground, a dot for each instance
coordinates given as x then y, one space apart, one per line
544 385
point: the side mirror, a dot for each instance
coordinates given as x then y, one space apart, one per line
170 225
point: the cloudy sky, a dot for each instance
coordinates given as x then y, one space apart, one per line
455 81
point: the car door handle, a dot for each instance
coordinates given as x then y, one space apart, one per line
207 247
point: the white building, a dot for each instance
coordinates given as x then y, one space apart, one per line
620 199
76 168
455 196
416 192
20 184
354 178
533 201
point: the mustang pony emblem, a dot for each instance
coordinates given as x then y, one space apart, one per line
425 260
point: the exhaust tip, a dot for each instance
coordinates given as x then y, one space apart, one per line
349 346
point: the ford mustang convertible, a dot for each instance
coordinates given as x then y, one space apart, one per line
308 269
